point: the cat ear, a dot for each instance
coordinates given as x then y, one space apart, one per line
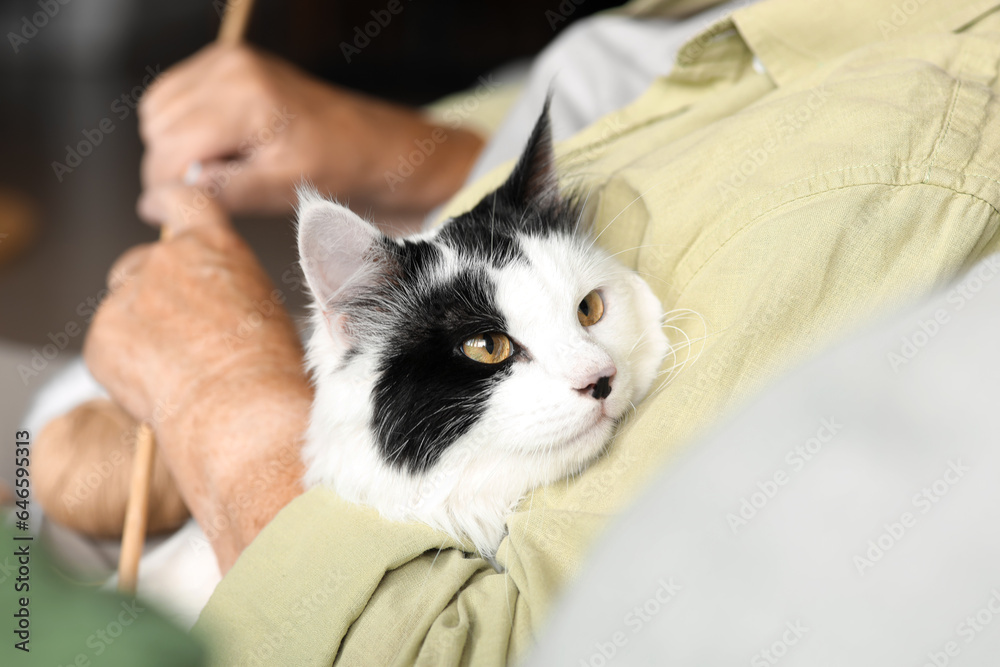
336 247
533 181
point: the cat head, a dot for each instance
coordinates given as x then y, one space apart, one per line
459 368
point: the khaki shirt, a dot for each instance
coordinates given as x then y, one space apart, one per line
771 211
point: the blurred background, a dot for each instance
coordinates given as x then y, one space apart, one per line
69 65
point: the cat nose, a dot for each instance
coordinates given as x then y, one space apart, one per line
598 384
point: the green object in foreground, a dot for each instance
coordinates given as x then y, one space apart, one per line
66 624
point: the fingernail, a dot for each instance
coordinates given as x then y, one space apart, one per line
193 173
148 209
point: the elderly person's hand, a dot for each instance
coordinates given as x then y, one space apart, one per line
194 339
259 126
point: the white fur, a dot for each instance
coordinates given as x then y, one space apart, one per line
537 427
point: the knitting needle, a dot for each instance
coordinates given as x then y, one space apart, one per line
231 31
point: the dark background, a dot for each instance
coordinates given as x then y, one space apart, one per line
64 80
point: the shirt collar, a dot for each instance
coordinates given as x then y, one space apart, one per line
793 37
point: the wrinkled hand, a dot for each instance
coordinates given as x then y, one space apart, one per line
259 126
193 338
191 310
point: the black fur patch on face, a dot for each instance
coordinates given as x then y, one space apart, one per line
412 259
428 393
486 240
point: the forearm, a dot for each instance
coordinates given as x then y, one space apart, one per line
410 165
235 453
425 167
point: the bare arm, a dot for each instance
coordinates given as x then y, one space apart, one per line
194 339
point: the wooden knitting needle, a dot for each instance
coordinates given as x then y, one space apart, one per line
234 23
137 510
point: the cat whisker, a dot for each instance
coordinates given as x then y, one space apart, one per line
583 209
625 208
671 372
640 247
636 344
647 276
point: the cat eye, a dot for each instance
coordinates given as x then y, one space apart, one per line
591 309
488 348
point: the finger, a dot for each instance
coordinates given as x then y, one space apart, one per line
179 78
219 79
155 125
248 186
127 265
203 136
221 102
166 161
179 208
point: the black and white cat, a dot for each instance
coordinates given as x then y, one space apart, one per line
457 369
